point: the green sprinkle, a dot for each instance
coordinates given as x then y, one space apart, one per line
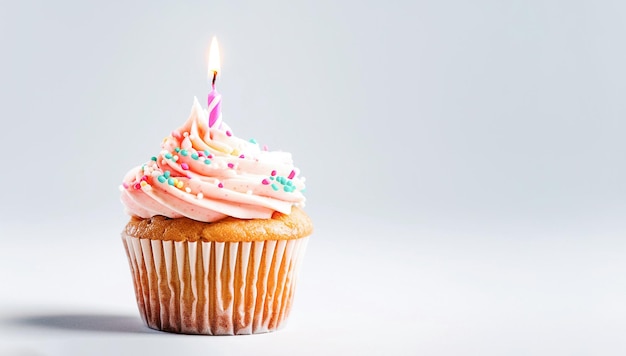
184 152
272 178
290 183
206 161
287 189
153 158
175 158
177 149
166 174
281 179
170 181
206 153
194 155
253 141
162 179
274 186
168 155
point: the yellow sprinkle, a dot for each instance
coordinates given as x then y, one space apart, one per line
143 183
179 184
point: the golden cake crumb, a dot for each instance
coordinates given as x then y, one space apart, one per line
279 227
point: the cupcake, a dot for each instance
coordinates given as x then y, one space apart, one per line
216 232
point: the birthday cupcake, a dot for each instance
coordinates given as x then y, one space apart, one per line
216 233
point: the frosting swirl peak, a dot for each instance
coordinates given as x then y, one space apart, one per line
206 174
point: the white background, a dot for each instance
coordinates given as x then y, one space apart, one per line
464 162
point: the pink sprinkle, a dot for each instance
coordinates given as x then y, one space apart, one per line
292 174
265 181
137 186
242 156
125 185
209 156
200 154
144 178
184 166
265 148
228 133
220 185
230 165
273 173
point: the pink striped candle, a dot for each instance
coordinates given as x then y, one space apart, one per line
215 99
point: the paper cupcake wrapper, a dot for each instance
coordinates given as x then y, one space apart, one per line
214 288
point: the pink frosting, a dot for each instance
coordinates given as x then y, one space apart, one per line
207 174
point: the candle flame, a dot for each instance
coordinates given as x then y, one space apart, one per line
214 58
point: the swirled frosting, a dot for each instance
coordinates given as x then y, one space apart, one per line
206 174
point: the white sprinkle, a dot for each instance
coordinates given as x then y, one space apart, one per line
155 174
185 134
175 158
188 190
200 195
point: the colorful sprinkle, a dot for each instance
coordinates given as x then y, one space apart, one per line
200 196
188 190
175 158
184 166
137 186
180 184
230 165
166 174
177 149
162 179
252 141
170 181
272 178
242 156
288 189
143 183
184 152
220 185
273 173
228 133
265 181
125 185
168 155
292 174
194 155
265 148
207 153
153 158
274 186
206 161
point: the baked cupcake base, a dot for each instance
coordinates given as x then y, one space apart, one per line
214 288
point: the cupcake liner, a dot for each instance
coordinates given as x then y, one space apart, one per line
214 288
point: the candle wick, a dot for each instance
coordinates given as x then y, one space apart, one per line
214 77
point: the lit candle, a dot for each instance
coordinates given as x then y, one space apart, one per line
215 99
